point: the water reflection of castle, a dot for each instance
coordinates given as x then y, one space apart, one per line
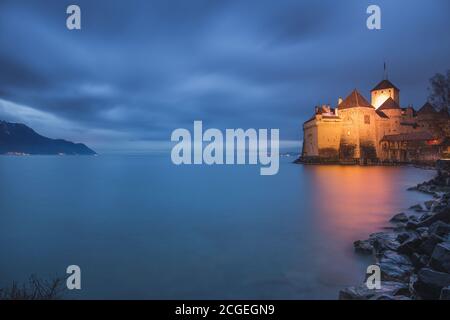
357 131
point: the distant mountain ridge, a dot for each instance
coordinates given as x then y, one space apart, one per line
17 138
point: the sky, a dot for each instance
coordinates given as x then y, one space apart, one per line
137 70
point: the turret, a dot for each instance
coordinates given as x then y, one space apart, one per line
383 91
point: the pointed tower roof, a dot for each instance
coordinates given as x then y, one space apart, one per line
385 84
389 104
381 114
427 109
354 100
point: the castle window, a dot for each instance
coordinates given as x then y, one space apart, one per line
367 119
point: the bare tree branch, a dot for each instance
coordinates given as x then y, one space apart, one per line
440 91
36 289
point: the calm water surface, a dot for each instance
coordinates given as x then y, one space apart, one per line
140 227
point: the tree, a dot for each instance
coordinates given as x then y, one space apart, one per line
440 91
36 289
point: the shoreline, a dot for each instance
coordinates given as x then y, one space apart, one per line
317 161
413 256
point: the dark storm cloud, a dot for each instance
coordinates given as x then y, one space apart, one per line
139 69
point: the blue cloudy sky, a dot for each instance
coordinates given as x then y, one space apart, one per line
139 69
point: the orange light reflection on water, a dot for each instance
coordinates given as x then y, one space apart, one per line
351 202
352 199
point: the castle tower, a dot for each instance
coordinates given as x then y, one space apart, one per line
383 91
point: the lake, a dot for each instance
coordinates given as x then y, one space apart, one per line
142 228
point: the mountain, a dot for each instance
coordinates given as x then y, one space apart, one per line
17 138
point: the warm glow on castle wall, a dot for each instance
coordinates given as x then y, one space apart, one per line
380 96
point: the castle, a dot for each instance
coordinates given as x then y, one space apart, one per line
356 131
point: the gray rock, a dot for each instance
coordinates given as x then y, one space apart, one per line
402 237
412 225
440 207
443 216
440 259
445 293
428 244
389 297
412 281
430 283
395 267
361 292
425 216
399 226
416 207
363 246
411 244
400 217
419 260
395 257
423 232
439 228
383 241
427 189
429 204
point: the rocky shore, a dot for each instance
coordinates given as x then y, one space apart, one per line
413 256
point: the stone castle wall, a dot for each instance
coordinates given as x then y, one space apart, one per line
322 138
352 136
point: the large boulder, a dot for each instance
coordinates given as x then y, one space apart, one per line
383 241
424 216
416 207
411 225
440 259
402 237
400 217
442 205
428 244
430 282
443 216
395 267
363 246
419 260
390 288
422 232
440 229
445 293
429 204
410 244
